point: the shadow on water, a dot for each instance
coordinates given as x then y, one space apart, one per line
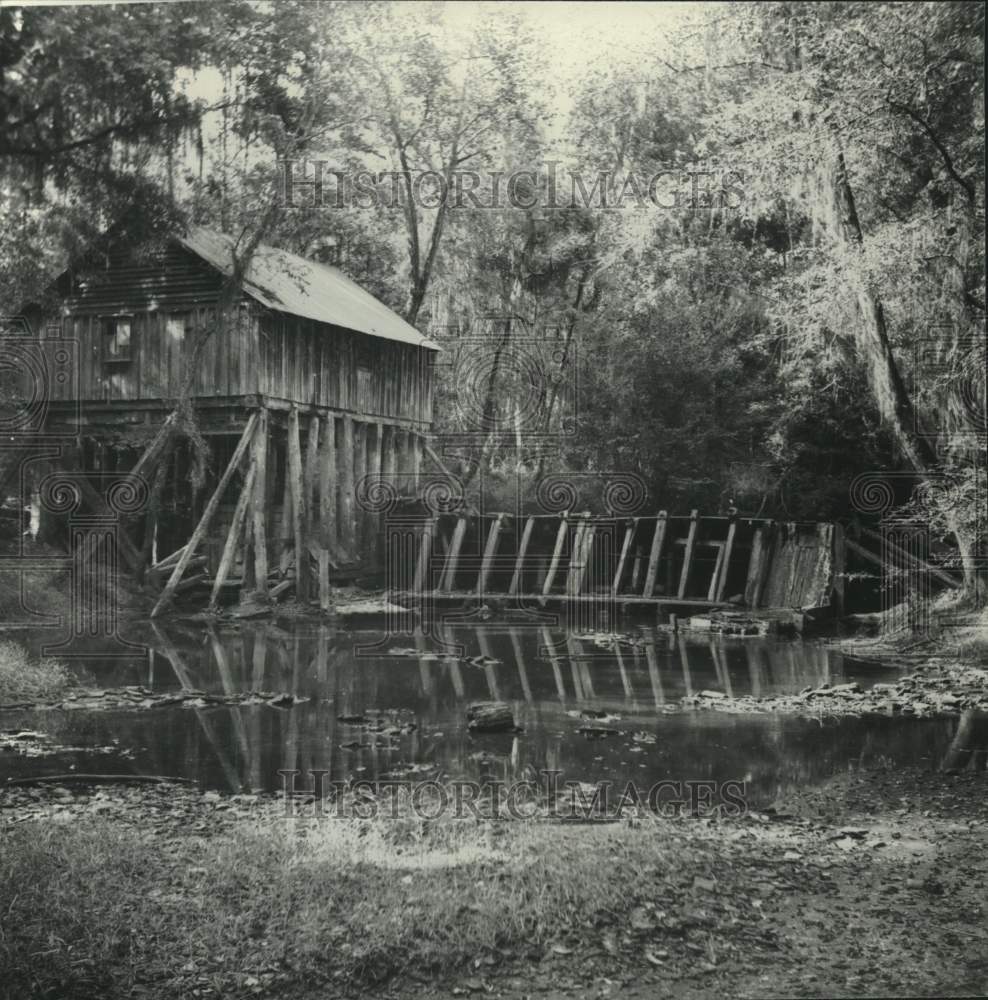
558 684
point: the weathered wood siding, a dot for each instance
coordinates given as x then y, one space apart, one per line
171 298
313 363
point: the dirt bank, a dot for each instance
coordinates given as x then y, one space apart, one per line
869 885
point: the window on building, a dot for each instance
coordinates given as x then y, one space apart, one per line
116 338
176 327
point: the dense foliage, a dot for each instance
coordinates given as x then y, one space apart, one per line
799 300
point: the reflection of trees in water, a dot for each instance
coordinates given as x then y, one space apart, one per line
243 746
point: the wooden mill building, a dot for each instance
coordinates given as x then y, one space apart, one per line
300 381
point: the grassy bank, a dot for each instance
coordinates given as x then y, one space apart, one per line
103 908
162 893
24 678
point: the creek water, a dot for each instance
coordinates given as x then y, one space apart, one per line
558 684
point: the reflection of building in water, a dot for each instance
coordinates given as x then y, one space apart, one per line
421 693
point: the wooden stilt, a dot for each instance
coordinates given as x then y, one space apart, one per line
725 567
574 554
448 579
287 516
715 575
298 508
688 553
259 509
526 537
154 449
325 596
557 552
636 570
153 509
582 542
248 581
425 551
207 516
655 554
233 535
629 535
489 550
169 561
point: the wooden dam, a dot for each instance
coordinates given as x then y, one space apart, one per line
663 560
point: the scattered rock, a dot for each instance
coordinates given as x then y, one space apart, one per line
491 717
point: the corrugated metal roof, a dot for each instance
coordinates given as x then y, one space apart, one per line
289 283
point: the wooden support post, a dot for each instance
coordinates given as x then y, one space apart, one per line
448 579
489 550
327 485
582 543
574 554
526 537
287 517
259 510
556 554
425 551
347 501
636 570
688 553
233 536
207 516
325 597
757 566
654 554
149 542
169 561
298 509
725 566
715 575
437 461
629 535
154 449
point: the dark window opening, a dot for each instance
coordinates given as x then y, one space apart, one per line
116 331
